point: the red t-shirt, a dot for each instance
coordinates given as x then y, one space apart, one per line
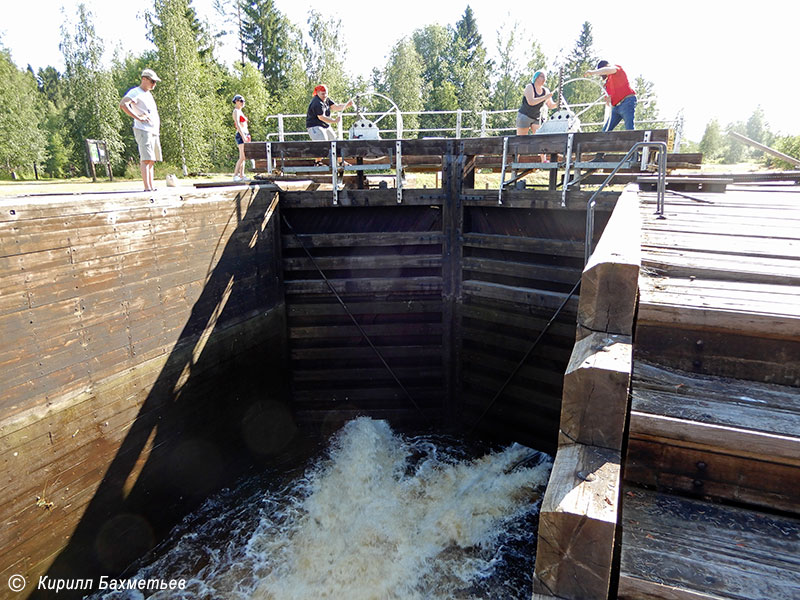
618 87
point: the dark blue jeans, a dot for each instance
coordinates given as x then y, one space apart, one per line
622 111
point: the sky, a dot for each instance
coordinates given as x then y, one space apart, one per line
708 58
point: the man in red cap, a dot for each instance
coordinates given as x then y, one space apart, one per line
318 117
620 94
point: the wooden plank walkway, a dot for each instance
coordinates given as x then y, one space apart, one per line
713 462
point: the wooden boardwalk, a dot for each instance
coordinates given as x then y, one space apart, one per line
711 503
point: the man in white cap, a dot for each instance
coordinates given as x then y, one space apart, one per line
140 104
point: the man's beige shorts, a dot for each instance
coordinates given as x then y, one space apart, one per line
149 145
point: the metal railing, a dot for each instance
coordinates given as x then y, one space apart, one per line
661 147
458 129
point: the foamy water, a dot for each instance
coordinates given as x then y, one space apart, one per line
380 517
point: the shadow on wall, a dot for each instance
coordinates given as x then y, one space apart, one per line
217 408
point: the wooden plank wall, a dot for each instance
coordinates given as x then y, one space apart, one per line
519 265
138 335
385 263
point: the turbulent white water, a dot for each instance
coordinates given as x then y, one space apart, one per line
381 517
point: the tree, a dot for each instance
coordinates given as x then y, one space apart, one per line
647 103
326 56
506 91
470 72
734 151
22 139
434 46
581 59
757 130
91 99
270 41
402 81
188 109
711 145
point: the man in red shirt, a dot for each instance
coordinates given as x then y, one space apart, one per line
620 94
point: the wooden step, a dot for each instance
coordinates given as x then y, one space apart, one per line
715 436
676 548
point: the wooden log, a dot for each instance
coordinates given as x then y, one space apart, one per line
595 400
610 280
577 524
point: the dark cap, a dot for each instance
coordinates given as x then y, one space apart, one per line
602 63
238 97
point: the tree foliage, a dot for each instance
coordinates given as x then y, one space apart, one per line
270 41
185 100
22 139
580 59
711 145
402 80
92 103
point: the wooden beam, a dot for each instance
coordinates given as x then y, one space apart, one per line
577 524
767 149
610 280
595 400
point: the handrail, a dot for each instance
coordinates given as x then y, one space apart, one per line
483 130
661 147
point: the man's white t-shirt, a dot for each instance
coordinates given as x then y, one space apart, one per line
144 104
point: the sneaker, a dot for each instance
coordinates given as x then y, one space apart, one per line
237 178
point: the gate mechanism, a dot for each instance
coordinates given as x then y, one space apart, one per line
365 129
565 120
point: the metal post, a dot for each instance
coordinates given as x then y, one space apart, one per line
458 124
502 171
334 179
483 123
399 170
567 166
280 128
269 157
645 152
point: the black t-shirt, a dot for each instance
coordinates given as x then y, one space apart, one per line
317 108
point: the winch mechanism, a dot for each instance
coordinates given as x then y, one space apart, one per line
365 129
564 119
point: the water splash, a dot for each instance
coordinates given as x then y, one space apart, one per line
381 517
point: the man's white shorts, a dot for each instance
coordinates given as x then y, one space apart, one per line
322 134
149 144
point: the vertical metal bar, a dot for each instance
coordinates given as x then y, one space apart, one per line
269 157
399 170
662 181
334 174
503 171
567 166
483 123
280 128
458 124
645 152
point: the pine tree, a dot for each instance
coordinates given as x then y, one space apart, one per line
270 41
91 100
647 103
581 59
470 73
